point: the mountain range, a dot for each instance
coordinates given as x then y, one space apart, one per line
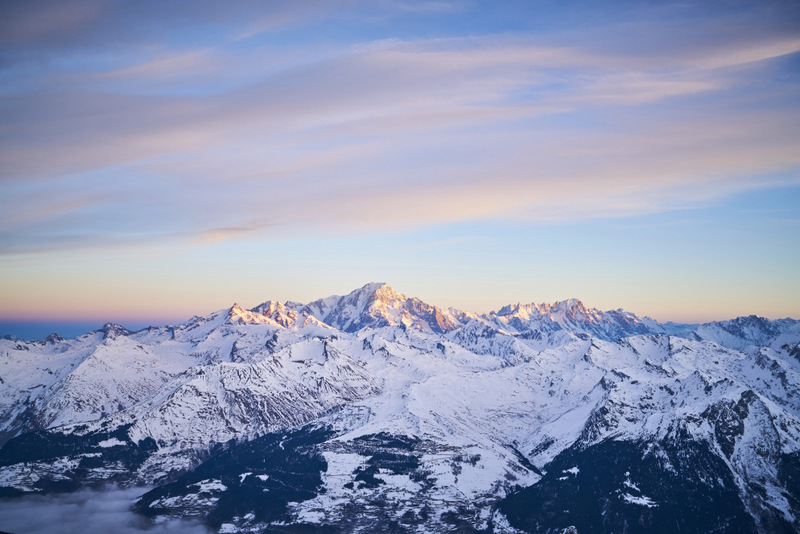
373 411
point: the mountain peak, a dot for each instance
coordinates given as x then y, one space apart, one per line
53 338
572 315
111 330
270 308
283 314
385 293
238 315
377 305
372 286
379 291
510 309
365 297
236 311
569 304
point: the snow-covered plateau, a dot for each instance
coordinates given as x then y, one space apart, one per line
375 412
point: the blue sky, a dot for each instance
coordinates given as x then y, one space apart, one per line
160 160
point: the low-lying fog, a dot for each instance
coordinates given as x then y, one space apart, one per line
86 511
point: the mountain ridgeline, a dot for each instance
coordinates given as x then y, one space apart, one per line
373 411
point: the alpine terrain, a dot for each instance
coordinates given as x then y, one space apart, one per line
375 412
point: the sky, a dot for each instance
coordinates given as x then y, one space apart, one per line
160 160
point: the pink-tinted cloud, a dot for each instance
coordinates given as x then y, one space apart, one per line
452 129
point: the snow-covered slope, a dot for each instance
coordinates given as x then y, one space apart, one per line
426 419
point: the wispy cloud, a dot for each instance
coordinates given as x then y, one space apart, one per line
35 22
181 65
382 134
432 6
215 235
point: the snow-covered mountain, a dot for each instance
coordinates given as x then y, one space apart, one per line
377 305
573 316
375 411
750 333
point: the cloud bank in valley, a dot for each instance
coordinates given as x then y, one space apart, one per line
86 511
